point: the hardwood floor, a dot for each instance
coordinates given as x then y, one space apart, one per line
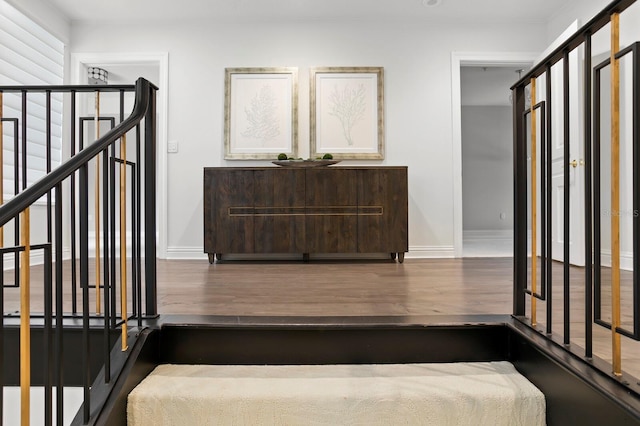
417 287
382 288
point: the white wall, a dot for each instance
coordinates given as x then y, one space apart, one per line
46 15
417 62
584 10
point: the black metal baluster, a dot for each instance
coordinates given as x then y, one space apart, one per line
72 210
2 337
106 270
112 219
84 284
21 165
48 297
2 279
48 159
543 206
24 140
48 337
137 222
588 213
549 200
597 222
134 246
567 223
59 349
16 191
636 189
107 261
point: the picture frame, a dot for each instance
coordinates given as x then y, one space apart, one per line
347 112
260 113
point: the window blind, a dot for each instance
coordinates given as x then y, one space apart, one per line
29 55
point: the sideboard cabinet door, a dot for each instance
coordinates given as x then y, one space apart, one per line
382 210
229 198
279 221
331 210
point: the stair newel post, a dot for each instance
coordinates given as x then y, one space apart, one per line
151 298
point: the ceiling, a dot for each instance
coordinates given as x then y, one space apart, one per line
226 10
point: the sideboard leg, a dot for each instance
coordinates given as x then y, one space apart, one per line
401 257
211 257
219 256
305 257
393 256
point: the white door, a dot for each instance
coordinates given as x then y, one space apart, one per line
576 159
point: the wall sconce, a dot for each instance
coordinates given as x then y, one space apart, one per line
97 76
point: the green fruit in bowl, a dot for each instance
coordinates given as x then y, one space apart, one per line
282 156
327 156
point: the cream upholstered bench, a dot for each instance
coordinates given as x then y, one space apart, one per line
483 393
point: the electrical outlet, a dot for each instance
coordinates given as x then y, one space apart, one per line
172 146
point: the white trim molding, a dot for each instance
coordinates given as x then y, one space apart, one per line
80 60
430 252
186 253
626 259
479 59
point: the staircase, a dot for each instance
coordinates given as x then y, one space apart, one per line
483 393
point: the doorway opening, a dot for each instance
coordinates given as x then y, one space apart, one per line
125 68
480 119
487 160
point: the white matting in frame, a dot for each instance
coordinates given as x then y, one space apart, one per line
260 112
347 118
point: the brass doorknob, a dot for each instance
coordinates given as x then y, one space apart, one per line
575 163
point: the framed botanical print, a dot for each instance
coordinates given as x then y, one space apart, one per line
261 113
347 112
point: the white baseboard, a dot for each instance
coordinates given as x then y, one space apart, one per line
430 252
626 259
186 253
36 257
492 234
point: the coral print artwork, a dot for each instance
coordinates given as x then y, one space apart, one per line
347 112
260 112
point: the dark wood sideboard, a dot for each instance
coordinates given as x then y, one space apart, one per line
335 209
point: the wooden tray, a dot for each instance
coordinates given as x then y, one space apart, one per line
305 163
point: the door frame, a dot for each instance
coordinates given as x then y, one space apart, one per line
79 62
478 59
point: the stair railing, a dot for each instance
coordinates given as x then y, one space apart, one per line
123 188
542 104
